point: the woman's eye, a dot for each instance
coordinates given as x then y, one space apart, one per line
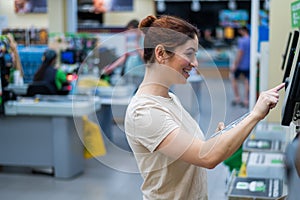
190 55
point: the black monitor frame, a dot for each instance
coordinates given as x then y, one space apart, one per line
288 57
292 94
286 50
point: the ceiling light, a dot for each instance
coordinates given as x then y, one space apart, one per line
195 6
161 6
232 5
267 4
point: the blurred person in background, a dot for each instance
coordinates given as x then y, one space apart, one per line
17 66
131 61
207 40
241 68
49 74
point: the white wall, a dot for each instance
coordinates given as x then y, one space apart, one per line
57 16
22 20
280 26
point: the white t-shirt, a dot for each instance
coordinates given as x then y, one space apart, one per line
149 119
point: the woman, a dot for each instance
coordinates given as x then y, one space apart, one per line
169 146
132 60
54 78
15 54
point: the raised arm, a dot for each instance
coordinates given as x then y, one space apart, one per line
210 153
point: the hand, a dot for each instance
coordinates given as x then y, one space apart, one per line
105 70
267 100
233 68
220 127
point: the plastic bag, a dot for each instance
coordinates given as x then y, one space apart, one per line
235 160
93 141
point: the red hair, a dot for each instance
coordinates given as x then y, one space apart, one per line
168 31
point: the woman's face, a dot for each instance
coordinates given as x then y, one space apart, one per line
184 59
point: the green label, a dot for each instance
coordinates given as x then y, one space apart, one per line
295 13
276 161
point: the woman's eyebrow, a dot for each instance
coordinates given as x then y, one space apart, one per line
191 49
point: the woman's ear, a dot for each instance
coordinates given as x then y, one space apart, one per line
160 53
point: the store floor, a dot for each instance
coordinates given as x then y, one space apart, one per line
115 176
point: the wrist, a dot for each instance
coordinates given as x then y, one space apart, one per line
255 116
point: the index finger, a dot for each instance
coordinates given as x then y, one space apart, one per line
278 87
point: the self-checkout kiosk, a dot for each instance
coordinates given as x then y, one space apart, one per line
290 110
291 118
270 149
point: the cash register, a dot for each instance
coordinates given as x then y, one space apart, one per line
42 131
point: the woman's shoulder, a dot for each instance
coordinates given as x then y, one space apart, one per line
143 99
154 98
146 101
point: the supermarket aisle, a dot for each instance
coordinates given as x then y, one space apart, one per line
115 177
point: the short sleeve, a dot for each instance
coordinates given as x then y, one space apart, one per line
60 75
150 125
241 44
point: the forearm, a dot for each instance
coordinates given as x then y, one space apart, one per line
120 61
208 154
223 146
213 151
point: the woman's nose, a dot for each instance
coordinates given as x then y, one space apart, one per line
194 63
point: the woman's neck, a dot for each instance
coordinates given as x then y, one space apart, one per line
153 88
155 82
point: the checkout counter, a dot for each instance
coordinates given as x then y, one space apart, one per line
114 101
45 131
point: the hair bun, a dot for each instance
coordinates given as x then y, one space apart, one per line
147 22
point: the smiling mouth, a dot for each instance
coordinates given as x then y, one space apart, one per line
186 72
